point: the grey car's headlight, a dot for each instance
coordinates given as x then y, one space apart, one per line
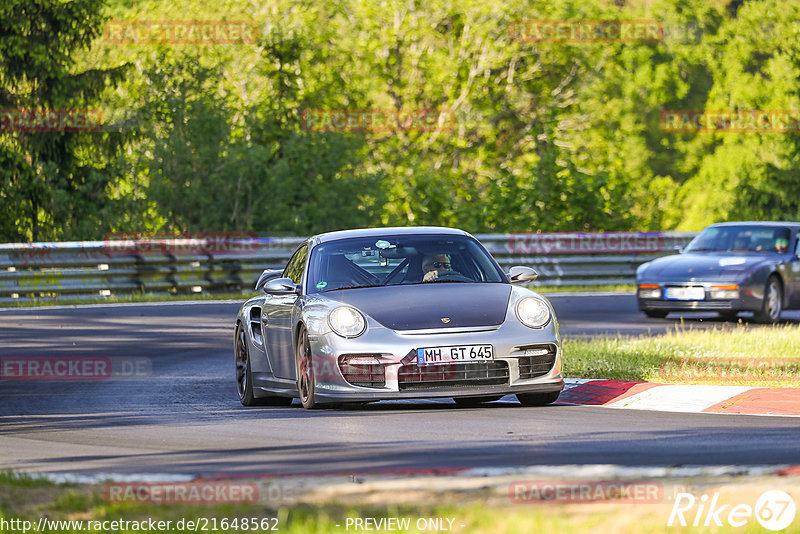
649 291
726 292
533 312
347 321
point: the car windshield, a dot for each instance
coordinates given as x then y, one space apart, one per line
741 238
396 260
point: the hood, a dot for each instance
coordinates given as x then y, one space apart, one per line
702 266
420 306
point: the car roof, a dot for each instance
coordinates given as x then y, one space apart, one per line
759 223
388 231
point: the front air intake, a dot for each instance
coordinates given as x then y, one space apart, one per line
537 361
365 370
457 375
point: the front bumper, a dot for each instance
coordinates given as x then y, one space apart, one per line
747 299
397 350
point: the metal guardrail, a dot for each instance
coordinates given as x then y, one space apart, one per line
208 264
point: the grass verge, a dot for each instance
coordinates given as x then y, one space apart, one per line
603 288
759 357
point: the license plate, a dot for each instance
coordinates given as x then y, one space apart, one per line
454 354
685 293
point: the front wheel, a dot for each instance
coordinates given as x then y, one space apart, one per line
772 305
537 399
306 382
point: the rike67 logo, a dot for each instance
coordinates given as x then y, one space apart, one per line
774 510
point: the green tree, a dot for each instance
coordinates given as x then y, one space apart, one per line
53 184
754 59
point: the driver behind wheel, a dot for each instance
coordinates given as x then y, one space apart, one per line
433 264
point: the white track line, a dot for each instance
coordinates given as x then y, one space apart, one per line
576 471
679 398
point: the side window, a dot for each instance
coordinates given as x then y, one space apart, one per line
797 245
294 269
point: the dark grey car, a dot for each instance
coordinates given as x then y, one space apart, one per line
728 268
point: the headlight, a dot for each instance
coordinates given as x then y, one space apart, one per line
726 292
347 321
649 291
533 312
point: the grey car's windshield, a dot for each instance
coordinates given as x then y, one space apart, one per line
396 260
741 238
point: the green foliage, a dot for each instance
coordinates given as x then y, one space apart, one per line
543 136
754 60
52 183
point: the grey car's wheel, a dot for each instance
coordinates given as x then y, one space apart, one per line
655 314
772 306
472 402
537 399
305 370
244 375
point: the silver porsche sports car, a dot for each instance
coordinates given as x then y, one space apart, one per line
396 313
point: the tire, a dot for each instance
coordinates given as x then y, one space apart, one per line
537 399
772 305
474 402
304 367
244 375
655 314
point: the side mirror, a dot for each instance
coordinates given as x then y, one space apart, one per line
265 277
520 273
280 286
677 249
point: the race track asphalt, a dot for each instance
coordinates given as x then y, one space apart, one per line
184 416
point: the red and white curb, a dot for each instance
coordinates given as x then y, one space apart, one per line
682 398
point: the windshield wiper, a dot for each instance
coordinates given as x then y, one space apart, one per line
351 287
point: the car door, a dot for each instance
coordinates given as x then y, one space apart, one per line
792 274
278 321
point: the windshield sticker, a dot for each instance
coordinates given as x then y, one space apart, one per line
322 285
